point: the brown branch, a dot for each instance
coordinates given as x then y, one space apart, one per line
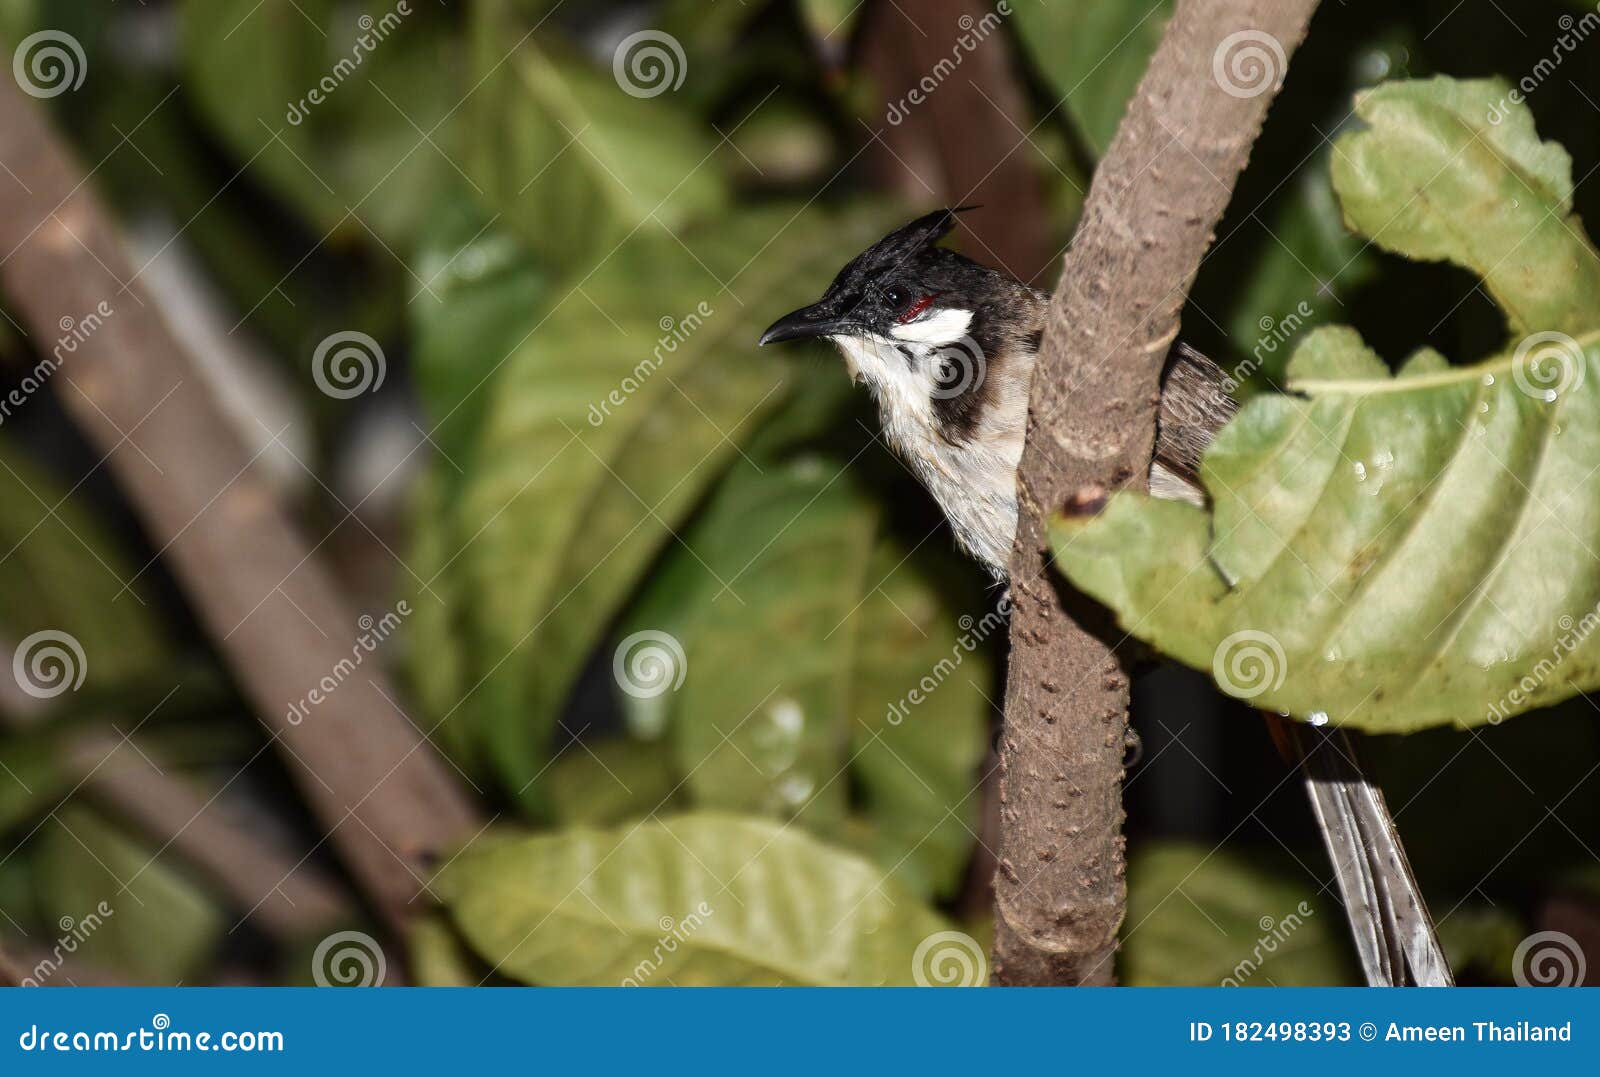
1155 199
290 899
273 610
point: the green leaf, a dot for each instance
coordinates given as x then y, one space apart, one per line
1482 938
922 679
604 428
696 899
1372 540
576 160
820 657
767 701
1093 56
155 926
1204 917
485 293
33 773
439 957
378 150
611 781
61 573
1454 171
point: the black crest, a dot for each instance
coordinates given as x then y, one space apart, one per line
906 242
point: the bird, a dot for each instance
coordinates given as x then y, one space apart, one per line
947 347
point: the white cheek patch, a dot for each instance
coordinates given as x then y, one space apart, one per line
940 327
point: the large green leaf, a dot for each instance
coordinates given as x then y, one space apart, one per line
820 657
578 158
766 708
606 424
154 926
378 150
1208 917
1455 171
1396 552
696 899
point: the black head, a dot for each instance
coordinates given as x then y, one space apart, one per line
902 277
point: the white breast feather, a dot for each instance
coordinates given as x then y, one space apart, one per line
974 482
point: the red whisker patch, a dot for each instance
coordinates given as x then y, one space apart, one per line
915 309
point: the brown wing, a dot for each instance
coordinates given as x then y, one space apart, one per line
1195 403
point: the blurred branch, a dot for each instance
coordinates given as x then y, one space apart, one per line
291 900
967 140
10 974
274 612
1156 197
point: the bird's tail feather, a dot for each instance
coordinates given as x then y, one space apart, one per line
1394 935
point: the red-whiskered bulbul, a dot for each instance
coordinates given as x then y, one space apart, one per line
947 347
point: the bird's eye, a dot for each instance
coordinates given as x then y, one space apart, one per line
894 296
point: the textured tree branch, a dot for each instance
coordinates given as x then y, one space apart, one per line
1156 198
274 612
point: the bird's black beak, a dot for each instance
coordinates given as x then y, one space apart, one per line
817 320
